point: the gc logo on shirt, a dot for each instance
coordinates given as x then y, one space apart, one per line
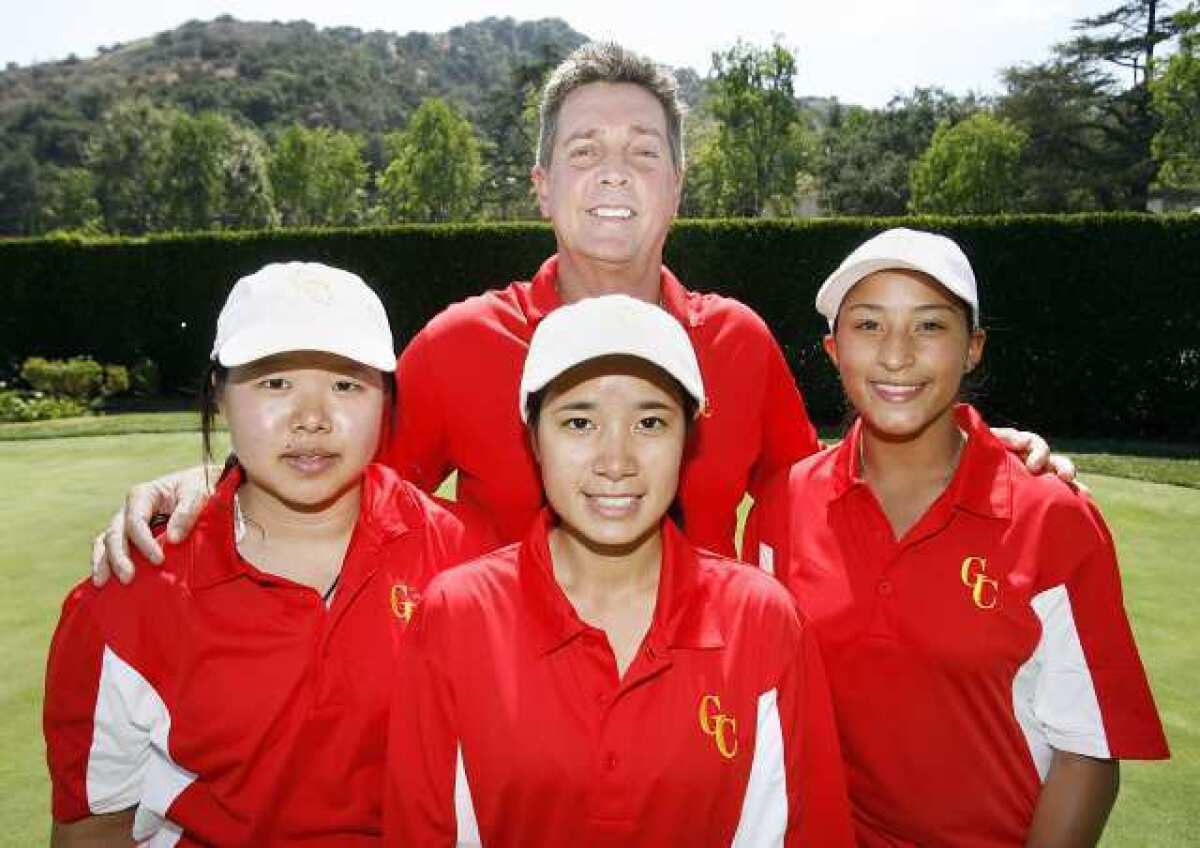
985 591
721 727
404 602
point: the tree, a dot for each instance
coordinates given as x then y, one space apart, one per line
318 176
1090 132
216 176
751 163
1176 94
866 155
970 168
67 200
128 158
436 170
509 124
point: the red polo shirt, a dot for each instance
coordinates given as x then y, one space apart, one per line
960 655
457 406
511 727
231 706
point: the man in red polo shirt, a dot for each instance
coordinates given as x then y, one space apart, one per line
609 175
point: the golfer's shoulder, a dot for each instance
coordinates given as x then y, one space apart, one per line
495 310
722 314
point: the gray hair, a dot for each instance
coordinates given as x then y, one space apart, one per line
607 61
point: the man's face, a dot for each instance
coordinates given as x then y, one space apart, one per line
611 189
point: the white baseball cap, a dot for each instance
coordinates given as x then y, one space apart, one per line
610 325
913 250
303 306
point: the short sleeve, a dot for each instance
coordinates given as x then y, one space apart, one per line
1090 694
99 718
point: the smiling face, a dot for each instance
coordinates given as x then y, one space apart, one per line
303 424
902 346
609 440
611 189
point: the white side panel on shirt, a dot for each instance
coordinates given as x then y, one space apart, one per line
129 763
764 816
464 807
1054 698
766 557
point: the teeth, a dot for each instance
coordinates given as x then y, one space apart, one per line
614 502
896 391
612 212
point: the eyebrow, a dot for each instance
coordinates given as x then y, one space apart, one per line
593 132
925 307
590 406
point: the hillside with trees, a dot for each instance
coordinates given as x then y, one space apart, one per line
240 125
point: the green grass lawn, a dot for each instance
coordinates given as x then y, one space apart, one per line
55 494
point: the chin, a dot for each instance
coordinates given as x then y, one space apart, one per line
609 539
902 427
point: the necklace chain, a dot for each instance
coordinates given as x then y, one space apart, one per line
958 450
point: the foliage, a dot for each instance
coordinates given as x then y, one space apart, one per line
264 75
215 176
67 200
970 168
509 127
318 176
1089 132
128 158
80 378
750 162
866 155
1176 95
436 169
1069 332
145 377
17 406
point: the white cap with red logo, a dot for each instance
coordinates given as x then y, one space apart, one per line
609 325
912 250
303 306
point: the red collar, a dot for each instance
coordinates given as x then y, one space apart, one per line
387 510
544 297
982 483
685 614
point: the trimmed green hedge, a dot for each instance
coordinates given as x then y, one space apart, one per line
1094 322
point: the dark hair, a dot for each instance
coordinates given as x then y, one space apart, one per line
213 384
609 62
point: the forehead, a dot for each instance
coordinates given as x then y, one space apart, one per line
607 105
899 286
304 360
616 380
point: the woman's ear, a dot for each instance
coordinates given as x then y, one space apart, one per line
830 345
975 349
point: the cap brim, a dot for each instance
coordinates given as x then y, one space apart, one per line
354 344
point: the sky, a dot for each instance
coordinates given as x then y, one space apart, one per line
860 51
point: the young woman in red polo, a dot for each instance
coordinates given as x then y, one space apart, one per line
982 669
604 681
239 694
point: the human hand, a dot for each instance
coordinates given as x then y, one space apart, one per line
180 496
1035 453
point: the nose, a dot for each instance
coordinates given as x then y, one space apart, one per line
895 350
615 459
310 414
613 173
